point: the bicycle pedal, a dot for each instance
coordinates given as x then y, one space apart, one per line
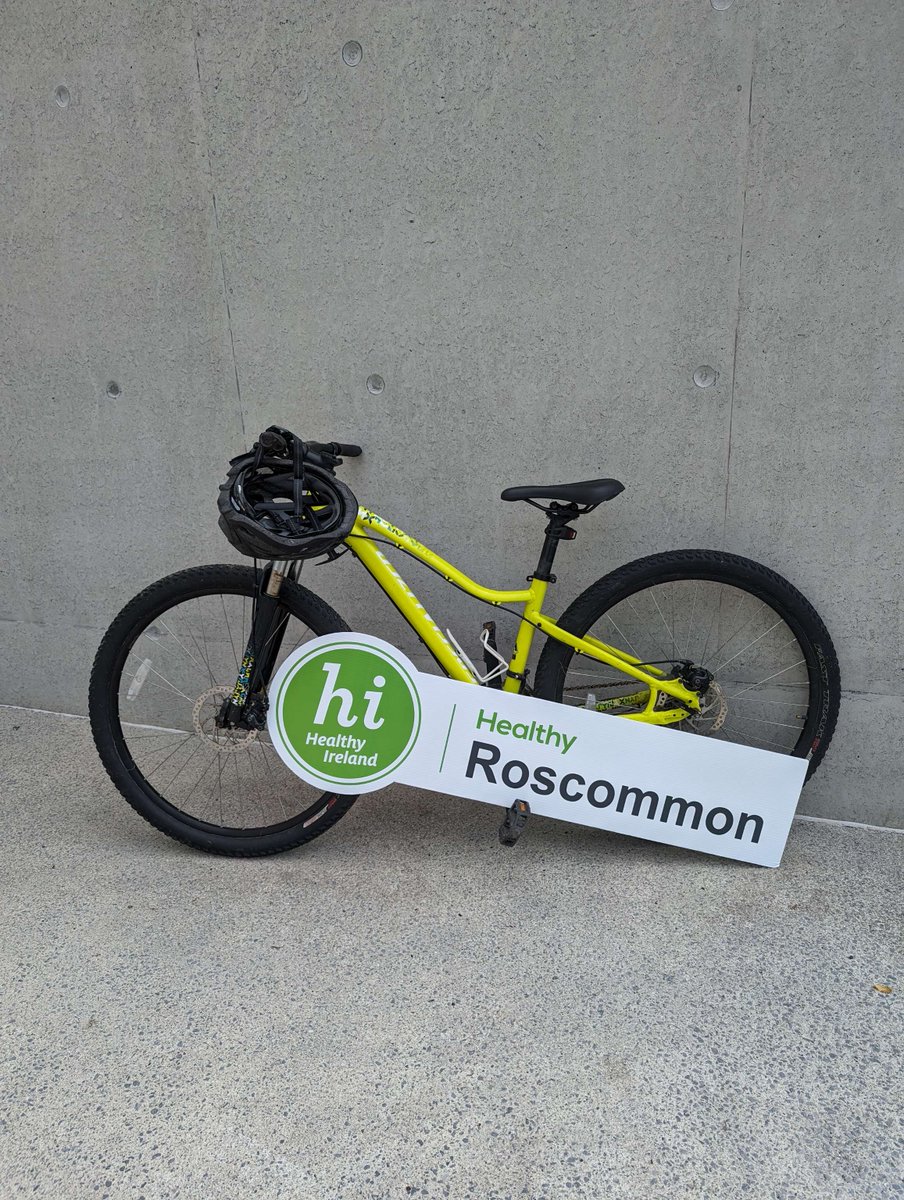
514 822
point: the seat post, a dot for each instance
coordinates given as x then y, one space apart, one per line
556 531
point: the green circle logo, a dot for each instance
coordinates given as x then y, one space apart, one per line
347 713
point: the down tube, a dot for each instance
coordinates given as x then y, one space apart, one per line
398 591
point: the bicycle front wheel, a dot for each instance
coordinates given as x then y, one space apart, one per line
160 677
774 680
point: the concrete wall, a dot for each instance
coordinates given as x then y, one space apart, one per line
535 221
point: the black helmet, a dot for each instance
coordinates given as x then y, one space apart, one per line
276 503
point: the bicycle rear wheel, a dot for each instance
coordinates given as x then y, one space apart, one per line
774 675
160 676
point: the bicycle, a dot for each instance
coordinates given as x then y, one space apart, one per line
704 641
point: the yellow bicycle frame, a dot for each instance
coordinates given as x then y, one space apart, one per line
366 550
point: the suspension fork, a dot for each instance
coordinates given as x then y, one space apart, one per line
268 628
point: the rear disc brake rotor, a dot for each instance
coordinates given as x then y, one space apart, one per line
712 712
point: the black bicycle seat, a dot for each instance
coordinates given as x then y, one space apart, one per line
591 491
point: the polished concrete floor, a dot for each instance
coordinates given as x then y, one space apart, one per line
404 1008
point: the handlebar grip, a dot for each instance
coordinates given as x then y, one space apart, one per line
348 450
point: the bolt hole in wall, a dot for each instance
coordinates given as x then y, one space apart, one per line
352 54
61 96
114 391
375 385
705 377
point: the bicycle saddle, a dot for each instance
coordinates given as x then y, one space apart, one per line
591 491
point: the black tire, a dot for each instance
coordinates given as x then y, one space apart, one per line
135 620
822 675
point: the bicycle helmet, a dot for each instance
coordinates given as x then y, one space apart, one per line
276 505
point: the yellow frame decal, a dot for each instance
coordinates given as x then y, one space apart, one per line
369 554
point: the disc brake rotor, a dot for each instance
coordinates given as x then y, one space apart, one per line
712 712
204 714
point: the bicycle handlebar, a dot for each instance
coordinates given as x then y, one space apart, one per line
344 449
276 441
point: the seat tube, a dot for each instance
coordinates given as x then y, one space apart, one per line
556 531
548 554
514 681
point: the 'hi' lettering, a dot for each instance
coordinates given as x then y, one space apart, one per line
344 716
373 699
331 693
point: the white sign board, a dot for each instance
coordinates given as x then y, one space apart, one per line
350 713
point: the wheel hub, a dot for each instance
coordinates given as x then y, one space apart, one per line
204 717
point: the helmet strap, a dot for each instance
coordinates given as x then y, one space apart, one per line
298 479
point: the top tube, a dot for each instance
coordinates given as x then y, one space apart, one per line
376 524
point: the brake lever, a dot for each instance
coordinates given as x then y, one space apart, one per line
322 458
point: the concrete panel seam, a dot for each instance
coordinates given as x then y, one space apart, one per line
216 223
734 353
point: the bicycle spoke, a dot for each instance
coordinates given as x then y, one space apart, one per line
183 743
627 640
765 741
661 652
176 640
220 786
229 631
165 680
761 721
270 769
715 615
707 658
239 790
301 641
201 776
196 750
667 629
204 640
602 678
768 677
690 627
153 728
747 647
151 752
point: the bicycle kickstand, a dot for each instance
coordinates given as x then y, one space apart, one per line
514 822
